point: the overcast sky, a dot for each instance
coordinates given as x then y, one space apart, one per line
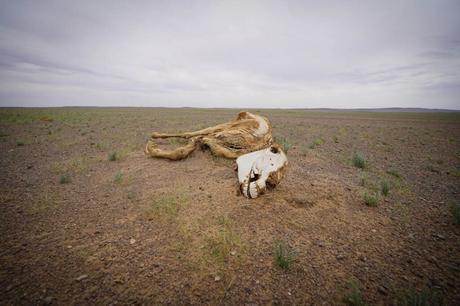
340 54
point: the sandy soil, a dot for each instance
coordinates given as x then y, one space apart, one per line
146 231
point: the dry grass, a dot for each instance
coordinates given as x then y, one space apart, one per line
165 206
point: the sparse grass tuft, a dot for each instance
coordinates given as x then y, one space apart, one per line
316 143
283 142
165 206
455 172
65 179
455 209
45 202
385 187
358 160
113 156
425 297
72 165
101 146
283 256
118 177
371 199
394 172
225 241
354 297
363 180
131 195
20 143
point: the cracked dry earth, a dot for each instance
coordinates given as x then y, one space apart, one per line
77 228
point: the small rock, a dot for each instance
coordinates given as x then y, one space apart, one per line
69 246
289 293
82 277
340 257
374 230
320 244
382 290
233 253
217 278
132 241
257 282
48 300
439 236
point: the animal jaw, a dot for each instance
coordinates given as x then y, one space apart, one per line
260 170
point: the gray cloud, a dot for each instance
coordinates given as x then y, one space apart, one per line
230 53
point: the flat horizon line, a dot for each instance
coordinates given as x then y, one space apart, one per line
357 109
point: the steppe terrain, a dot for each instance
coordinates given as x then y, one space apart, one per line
368 212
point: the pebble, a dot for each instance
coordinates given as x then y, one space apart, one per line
382 290
132 241
340 257
48 300
233 253
320 244
217 278
82 277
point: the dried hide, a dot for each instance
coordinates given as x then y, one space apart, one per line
248 138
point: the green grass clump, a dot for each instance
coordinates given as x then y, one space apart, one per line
394 172
455 209
385 187
371 199
425 297
316 143
101 146
354 297
64 179
20 143
113 156
118 177
284 143
283 255
358 160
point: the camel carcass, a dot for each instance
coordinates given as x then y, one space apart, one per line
248 139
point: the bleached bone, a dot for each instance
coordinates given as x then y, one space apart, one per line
261 169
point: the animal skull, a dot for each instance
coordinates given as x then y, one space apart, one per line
261 169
